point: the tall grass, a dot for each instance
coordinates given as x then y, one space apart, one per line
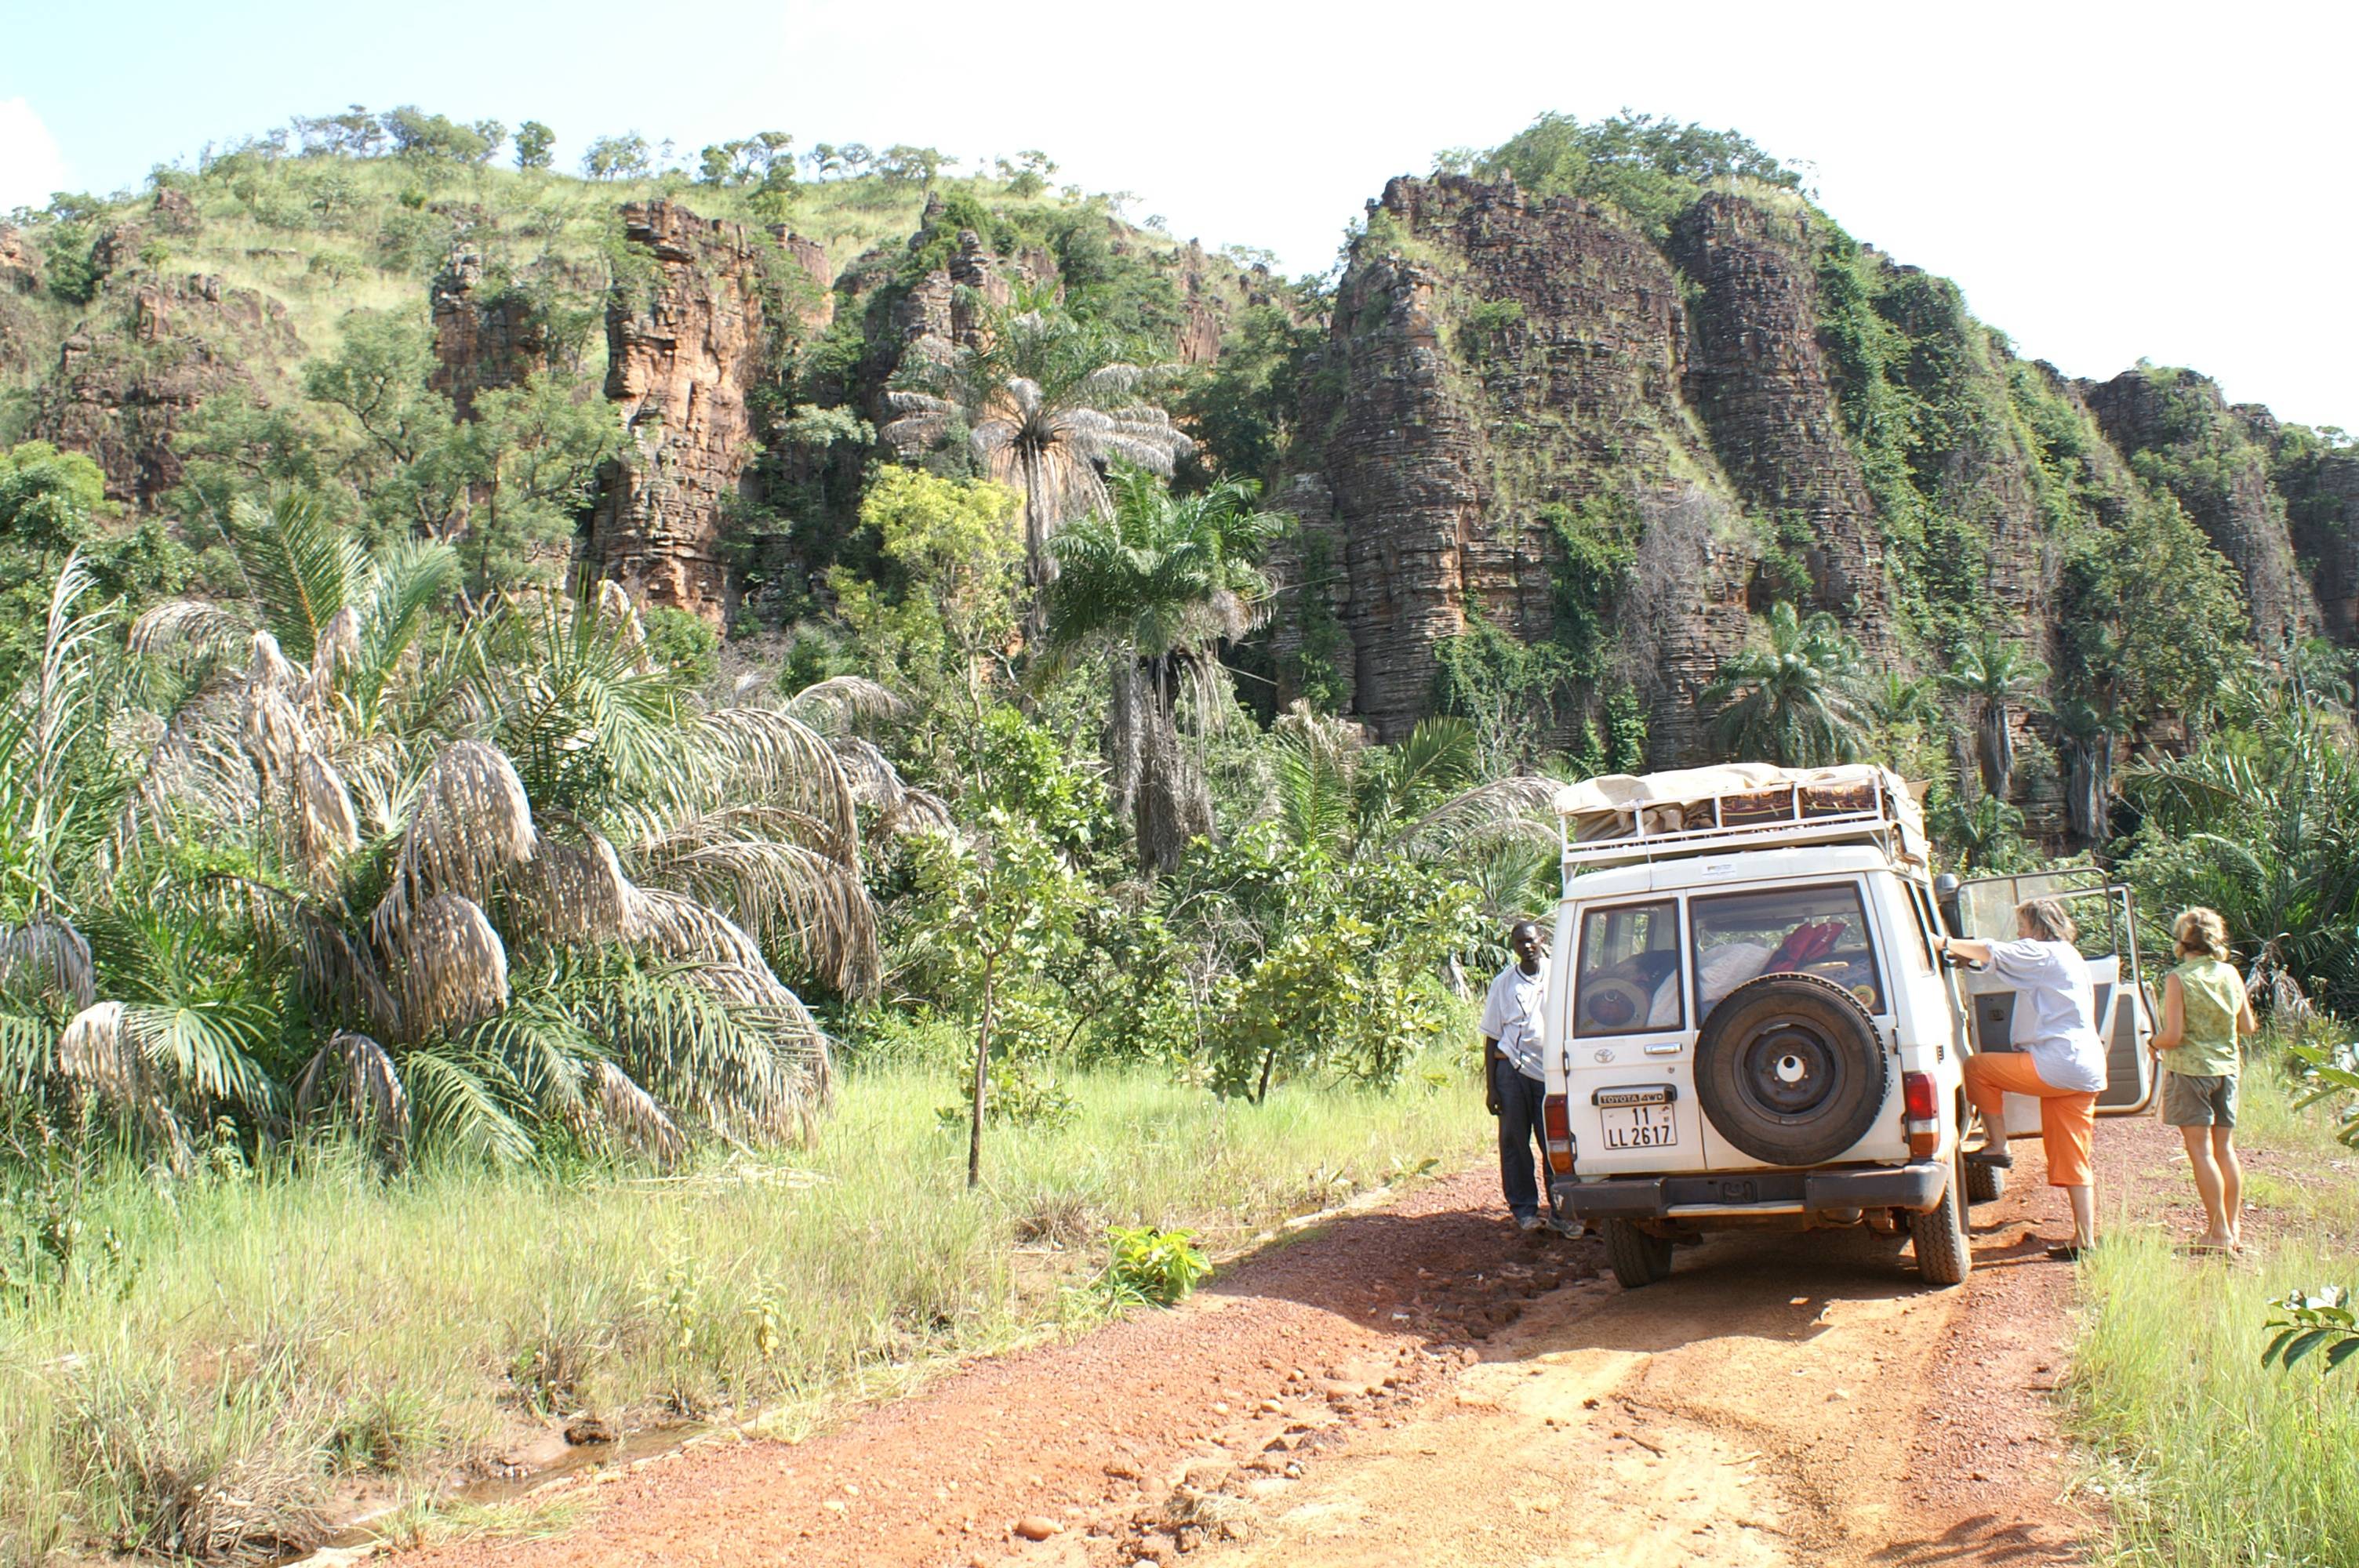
2211 1457
254 1335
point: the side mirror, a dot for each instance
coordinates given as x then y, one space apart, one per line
1945 895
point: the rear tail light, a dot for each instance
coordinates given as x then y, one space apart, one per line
1920 1101
1556 1125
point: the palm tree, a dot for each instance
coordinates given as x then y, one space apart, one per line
506 873
2089 732
1789 701
1161 581
1046 403
1896 699
1993 673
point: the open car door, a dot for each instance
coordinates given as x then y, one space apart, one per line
2107 918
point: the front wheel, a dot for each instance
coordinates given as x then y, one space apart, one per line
1637 1257
1939 1232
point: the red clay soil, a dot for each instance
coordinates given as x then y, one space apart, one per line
1796 1400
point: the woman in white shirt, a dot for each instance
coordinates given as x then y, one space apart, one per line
2059 1056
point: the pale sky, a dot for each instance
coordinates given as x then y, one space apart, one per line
2105 181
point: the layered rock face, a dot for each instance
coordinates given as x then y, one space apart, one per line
2214 459
684 346
1514 358
1759 380
123 386
480 342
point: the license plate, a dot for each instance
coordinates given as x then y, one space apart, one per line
1638 1126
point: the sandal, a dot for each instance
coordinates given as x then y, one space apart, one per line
1989 1161
2067 1253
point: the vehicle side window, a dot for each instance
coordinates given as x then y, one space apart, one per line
1920 903
1820 930
1628 980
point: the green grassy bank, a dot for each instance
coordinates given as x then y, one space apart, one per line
2207 1458
225 1355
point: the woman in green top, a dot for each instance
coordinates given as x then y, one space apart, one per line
2204 1009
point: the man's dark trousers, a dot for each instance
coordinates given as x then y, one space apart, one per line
1520 1131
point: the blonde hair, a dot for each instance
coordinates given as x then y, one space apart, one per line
2047 920
2200 930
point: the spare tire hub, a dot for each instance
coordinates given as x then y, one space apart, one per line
1788 1068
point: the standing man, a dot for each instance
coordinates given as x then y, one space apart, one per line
1514 1072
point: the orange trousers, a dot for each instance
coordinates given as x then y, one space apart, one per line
2068 1117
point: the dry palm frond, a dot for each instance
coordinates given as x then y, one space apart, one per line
454 967
878 785
48 956
266 666
788 892
579 895
95 1053
468 822
326 827
337 651
631 1114
353 1073
191 624
840 698
768 756
340 974
615 605
274 732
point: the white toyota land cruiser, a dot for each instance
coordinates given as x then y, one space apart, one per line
1749 1024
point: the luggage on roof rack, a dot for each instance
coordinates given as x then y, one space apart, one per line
1753 805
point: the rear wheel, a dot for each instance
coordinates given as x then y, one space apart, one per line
1635 1258
1940 1233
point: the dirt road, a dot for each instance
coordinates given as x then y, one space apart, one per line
1424 1386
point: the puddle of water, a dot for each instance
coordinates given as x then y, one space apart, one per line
346 1539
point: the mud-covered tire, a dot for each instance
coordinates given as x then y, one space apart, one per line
1938 1233
1635 1258
1789 1069
1984 1183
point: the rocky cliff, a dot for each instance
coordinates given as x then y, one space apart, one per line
685 340
1752 408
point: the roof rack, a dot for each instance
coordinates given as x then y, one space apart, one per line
1620 819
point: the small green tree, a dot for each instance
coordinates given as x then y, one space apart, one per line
618 157
536 145
955 609
1002 903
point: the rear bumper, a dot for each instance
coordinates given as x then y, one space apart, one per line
1916 1186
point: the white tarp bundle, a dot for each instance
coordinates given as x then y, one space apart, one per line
1620 805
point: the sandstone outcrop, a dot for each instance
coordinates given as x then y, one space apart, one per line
2207 455
481 342
685 344
1501 360
128 376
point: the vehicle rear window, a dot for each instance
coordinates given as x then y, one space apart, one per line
1627 981
1816 931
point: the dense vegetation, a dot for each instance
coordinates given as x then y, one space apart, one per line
350 855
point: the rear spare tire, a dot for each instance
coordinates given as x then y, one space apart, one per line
1789 1070
1637 1257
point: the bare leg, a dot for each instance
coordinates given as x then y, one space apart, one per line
2231 1181
2083 1200
2207 1185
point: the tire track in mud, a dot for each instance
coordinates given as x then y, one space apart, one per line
1420 1384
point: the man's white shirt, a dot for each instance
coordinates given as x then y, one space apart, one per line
1512 1015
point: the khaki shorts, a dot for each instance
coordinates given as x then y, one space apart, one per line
2205 1101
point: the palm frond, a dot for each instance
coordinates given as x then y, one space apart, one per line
454 967
302 567
469 823
47 957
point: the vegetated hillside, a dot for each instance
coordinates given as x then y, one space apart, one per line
1574 418
1591 404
